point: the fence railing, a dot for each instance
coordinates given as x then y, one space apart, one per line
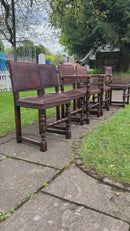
5 82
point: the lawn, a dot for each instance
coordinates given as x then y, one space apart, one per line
7 120
107 149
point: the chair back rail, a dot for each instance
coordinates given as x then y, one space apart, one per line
65 70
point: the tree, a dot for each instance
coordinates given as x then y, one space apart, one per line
87 24
58 58
28 14
27 47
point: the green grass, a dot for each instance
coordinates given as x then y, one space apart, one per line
28 116
107 149
123 74
7 118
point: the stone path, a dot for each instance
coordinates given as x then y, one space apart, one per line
50 192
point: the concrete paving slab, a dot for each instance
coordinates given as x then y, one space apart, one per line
1 156
7 138
76 130
117 95
46 213
56 156
76 186
19 179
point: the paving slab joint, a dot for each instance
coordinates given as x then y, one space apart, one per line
85 206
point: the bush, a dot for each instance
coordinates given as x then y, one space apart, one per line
95 71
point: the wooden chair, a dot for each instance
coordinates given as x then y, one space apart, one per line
100 80
91 90
25 77
124 87
67 77
48 77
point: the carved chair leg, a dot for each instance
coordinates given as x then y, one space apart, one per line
108 101
78 103
63 111
58 112
93 99
106 97
100 105
74 105
101 102
124 96
128 94
110 97
40 113
82 112
68 131
43 128
18 125
87 110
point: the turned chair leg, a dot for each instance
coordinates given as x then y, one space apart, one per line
101 103
43 128
58 112
107 100
128 93
124 96
82 111
62 111
87 110
18 125
68 131
110 97
99 108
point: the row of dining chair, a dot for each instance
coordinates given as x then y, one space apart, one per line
72 105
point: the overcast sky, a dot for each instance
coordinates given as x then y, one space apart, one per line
41 34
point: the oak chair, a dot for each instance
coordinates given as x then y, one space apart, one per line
124 87
26 77
91 90
67 77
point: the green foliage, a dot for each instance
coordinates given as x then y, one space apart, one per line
55 59
89 24
28 48
40 49
107 148
51 58
1 46
4 215
45 184
12 210
4 158
95 71
67 166
58 58
8 50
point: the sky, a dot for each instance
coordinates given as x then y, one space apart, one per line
44 35
38 34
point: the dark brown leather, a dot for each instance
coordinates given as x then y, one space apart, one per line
43 102
24 76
